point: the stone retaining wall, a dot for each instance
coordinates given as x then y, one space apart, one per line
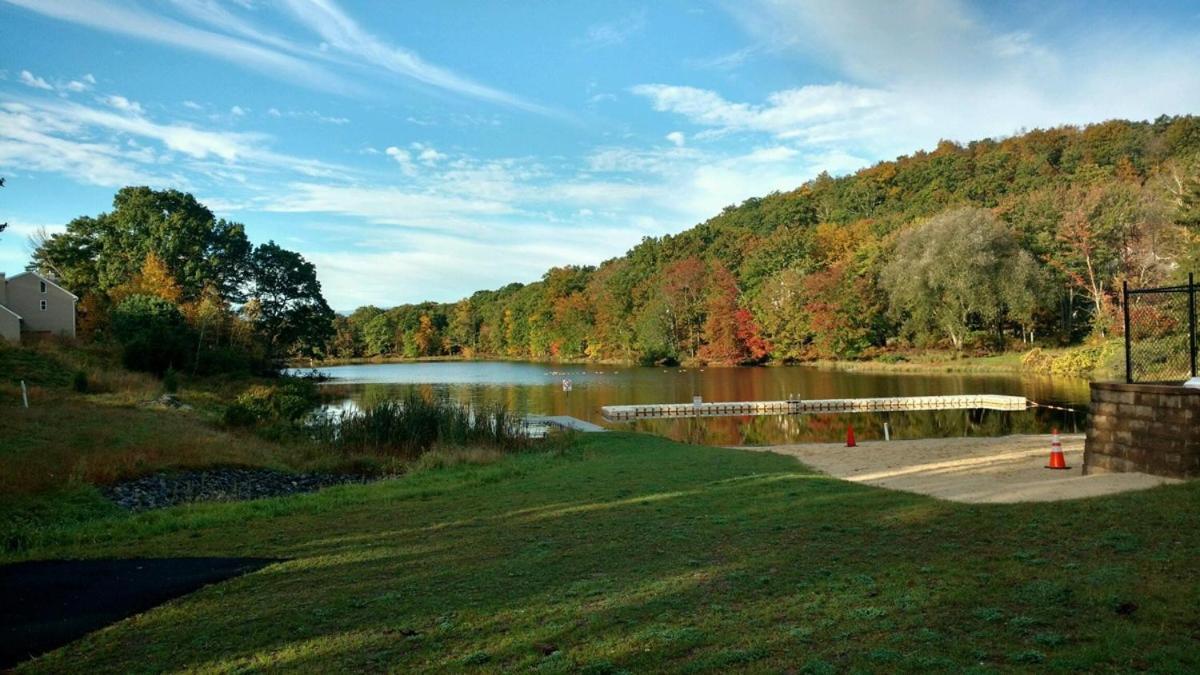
1150 428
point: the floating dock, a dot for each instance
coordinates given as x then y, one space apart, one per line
564 422
623 413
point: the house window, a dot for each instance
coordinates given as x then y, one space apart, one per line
43 305
43 288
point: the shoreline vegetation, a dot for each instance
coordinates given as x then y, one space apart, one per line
1096 361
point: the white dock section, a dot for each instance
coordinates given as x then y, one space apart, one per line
621 413
565 422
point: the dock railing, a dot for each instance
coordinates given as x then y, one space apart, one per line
795 406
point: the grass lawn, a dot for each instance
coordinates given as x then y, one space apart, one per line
634 553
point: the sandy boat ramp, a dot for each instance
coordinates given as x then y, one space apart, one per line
982 470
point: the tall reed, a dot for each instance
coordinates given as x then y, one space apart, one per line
414 425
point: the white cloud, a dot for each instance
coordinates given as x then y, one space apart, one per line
55 135
677 138
30 80
616 32
917 71
388 204
778 153
342 34
727 61
192 105
803 112
122 103
237 111
308 115
135 22
427 153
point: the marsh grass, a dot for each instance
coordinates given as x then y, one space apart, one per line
415 425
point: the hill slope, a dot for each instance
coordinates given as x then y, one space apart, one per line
800 274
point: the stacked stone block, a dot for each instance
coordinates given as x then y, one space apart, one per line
1149 428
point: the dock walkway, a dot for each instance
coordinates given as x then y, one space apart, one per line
565 422
800 407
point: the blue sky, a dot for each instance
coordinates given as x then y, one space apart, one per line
424 150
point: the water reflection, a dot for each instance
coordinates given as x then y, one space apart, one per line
533 388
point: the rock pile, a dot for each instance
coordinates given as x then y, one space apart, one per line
225 485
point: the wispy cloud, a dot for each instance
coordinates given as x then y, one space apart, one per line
912 72
30 80
58 135
611 33
146 25
810 112
122 103
232 38
341 33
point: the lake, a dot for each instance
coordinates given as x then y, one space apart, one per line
536 388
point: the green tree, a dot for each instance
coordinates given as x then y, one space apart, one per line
463 330
291 314
100 253
950 274
152 333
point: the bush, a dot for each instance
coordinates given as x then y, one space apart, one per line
152 333
80 382
238 415
170 381
287 402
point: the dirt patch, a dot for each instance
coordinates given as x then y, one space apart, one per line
1006 469
50 603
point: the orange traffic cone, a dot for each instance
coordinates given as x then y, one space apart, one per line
1057 461
850 437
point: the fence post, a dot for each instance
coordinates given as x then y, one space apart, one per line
1128 337
1192 319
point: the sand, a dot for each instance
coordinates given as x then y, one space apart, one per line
980 470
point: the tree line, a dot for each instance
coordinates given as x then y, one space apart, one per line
178 288
983 246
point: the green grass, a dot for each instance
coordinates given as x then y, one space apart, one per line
630 553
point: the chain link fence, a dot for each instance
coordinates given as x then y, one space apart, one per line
1160 333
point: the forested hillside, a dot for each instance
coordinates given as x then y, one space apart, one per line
981 246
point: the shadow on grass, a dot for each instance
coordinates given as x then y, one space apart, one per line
684 559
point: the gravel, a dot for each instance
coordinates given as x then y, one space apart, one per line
164 489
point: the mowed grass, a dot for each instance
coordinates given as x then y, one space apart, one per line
629 553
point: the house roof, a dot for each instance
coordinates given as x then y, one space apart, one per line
11 312
49 281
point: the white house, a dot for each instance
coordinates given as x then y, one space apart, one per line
31 303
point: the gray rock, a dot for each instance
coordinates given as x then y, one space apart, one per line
223 484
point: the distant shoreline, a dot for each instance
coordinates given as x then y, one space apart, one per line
1009 363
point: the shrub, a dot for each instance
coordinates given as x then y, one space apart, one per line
238 415
152 333
170 381
287 402
80 382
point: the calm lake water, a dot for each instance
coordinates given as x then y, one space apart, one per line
536 388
